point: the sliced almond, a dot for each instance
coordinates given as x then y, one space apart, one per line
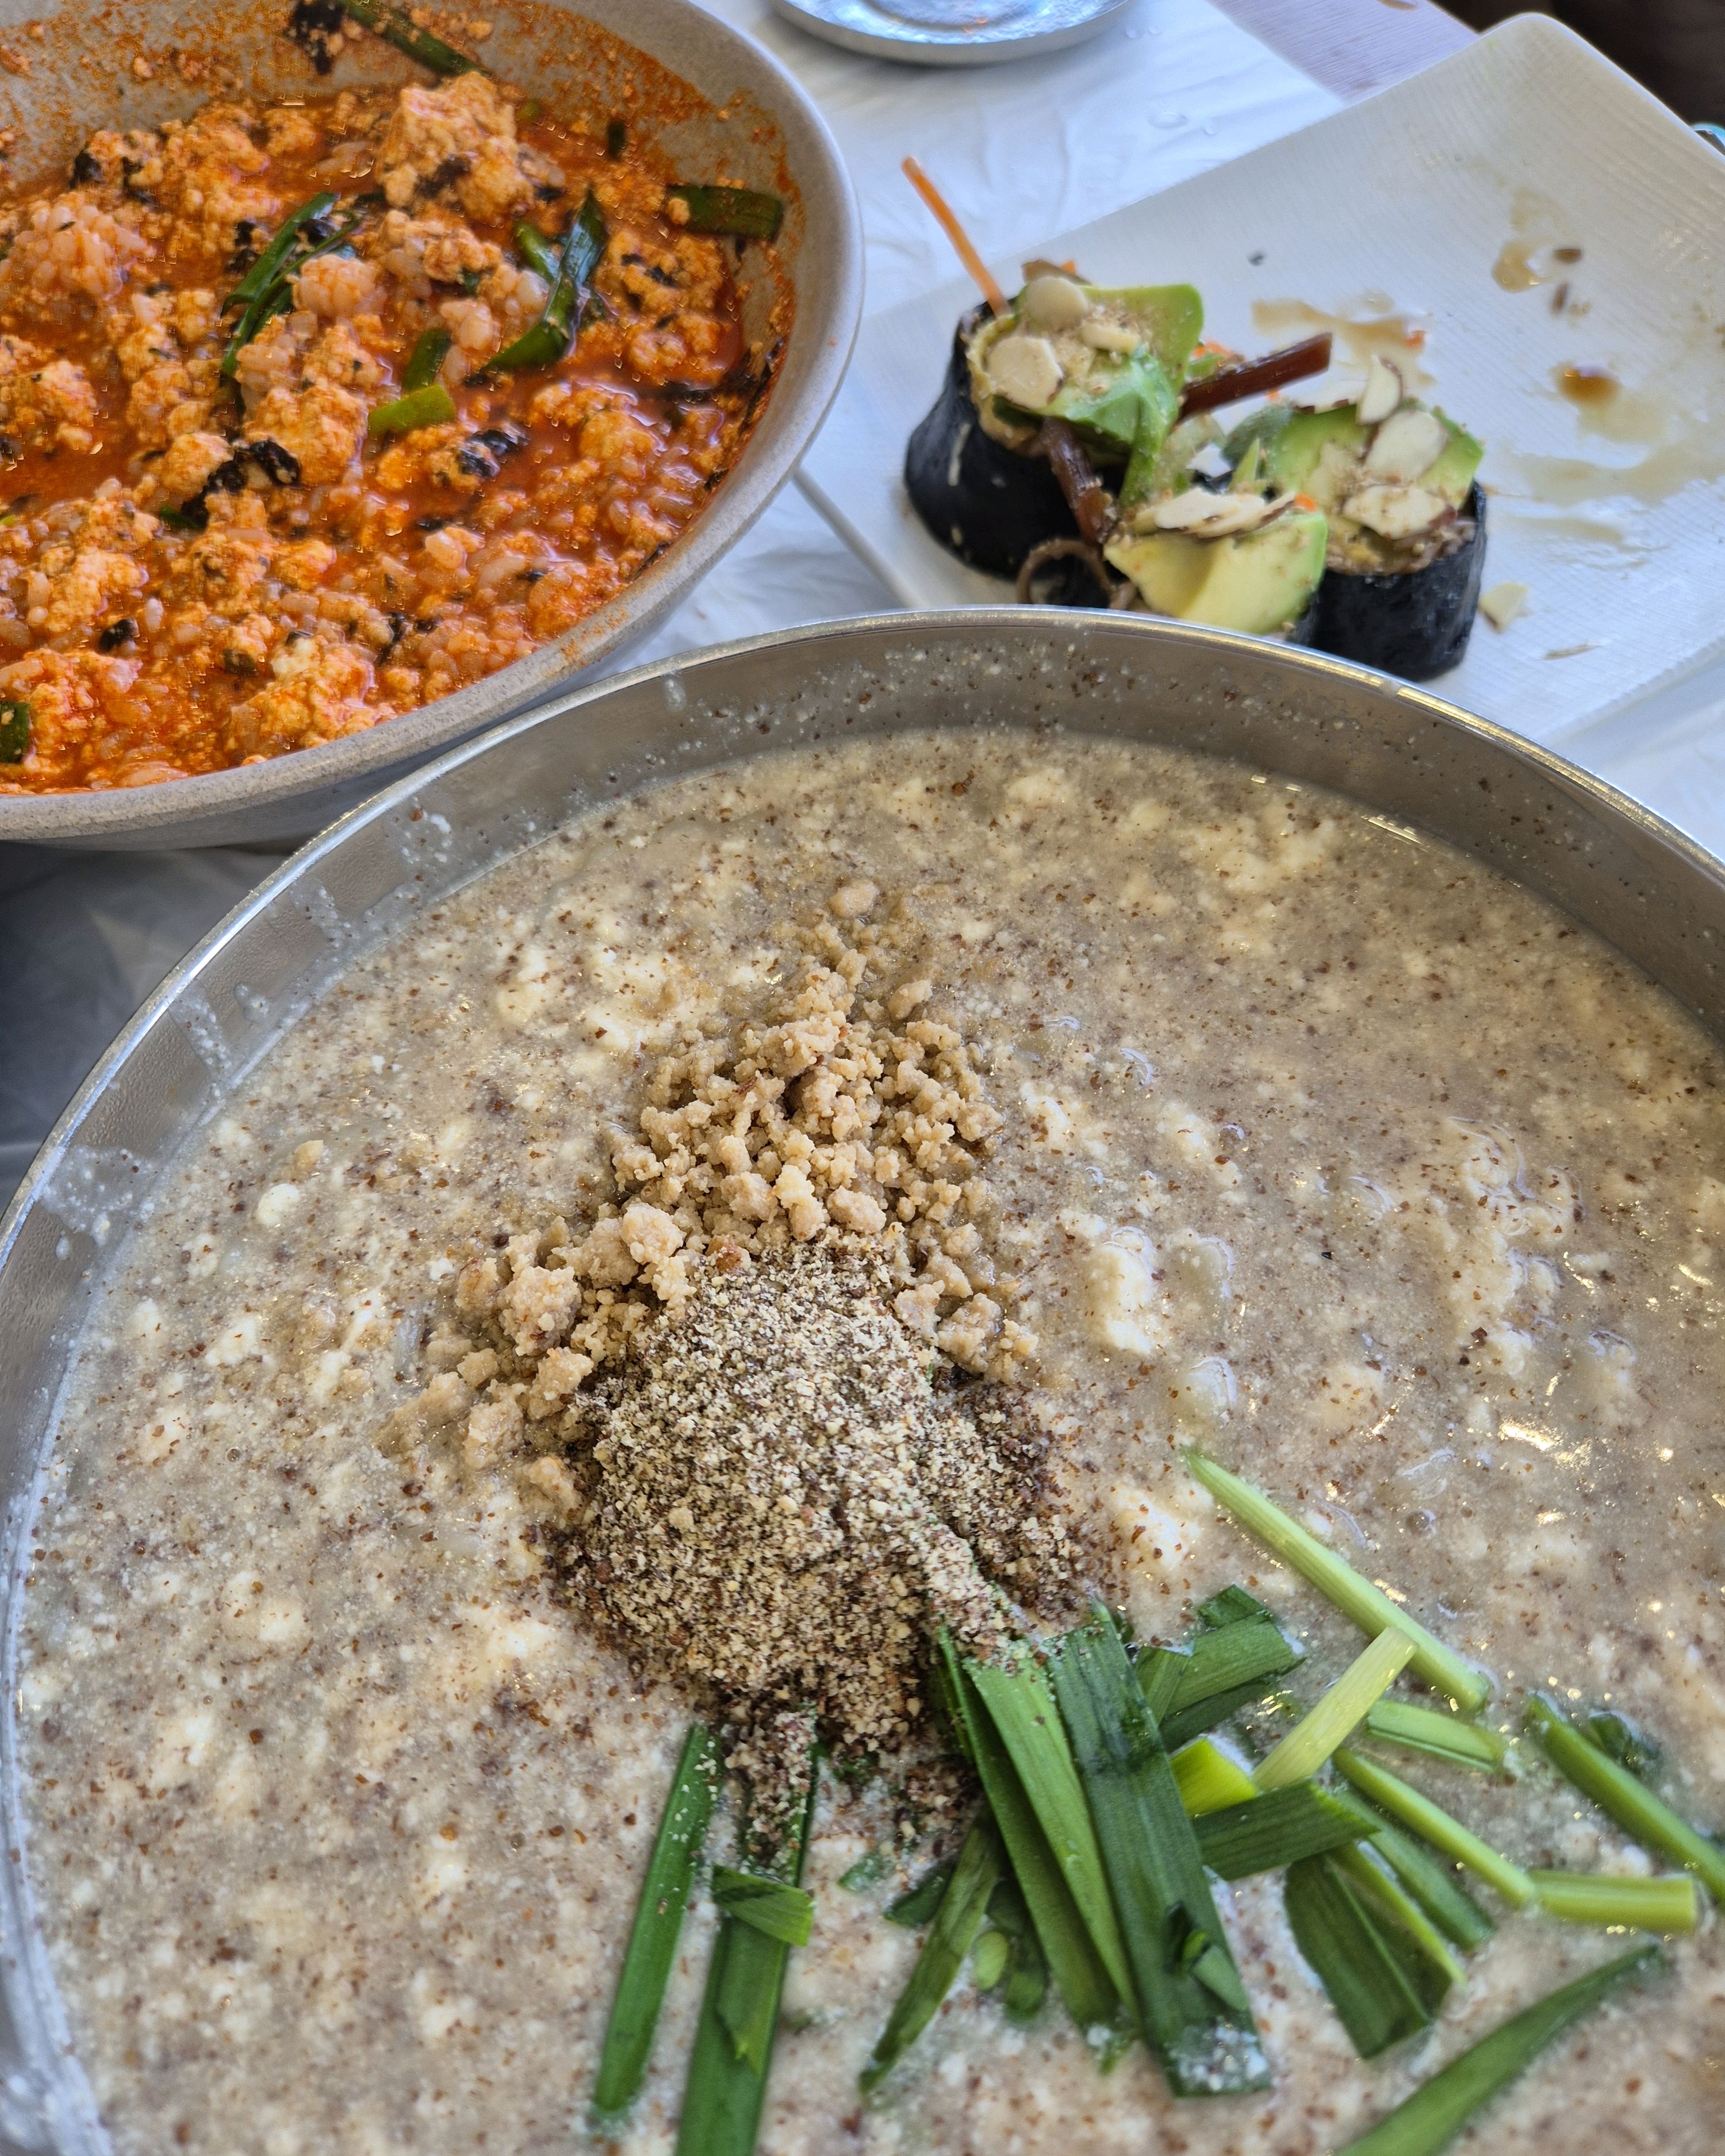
1384 391
1502 603
1204 515
1026 370
1396 512
1408 442
1110 336
1053 303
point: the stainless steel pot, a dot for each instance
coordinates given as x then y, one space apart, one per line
998 674
757 126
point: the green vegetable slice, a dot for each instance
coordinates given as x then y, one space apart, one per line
425 361
658 1922
545 342
1079 1974
14 729
1431 2118
916 1906
1337 1714
732 2056
266 290
396 29
1191 2001
1225 1669
989 1959
770 1906
741 210
1431 1964
1027 1972
1364 1971
1615 1790
536 251
1266 1834
869 1871
1439 1736
1670 1904
1432 1884
1435 1825
1208 1779
1368 1606
267 268
963 1906
432 406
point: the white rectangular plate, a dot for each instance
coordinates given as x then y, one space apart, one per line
1526 142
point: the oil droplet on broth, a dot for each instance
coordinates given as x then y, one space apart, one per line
1395 337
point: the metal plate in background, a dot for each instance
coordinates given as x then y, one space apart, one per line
951 33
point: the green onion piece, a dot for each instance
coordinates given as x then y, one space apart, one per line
1435 1825
1267 1834
1439 1736
1027 1973
1668 1904
1022 1708
1337 1714
1192 2002
425 361
1159 1672
1368 1606
1431 2118
14 729
278 299
616 134
1079 1974
733 2054
1616 1791
957 1921
1432 1885
658 1922
546 341
432 406
739 210
1209 1780
264 271
396 29
1233 1605
1366 1978
540 253
1431 1964
1623 1743
769 1905
988 1959
868 1871
916 1908
1226 1670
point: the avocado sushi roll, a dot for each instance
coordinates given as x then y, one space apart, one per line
1396 481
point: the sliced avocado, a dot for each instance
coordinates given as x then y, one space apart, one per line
1292 445
1115 397
1170 316
1258 581
1451 474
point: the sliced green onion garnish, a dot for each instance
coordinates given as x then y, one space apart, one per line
916 1907
868 1871
1432 1884
1431 1965
1191 2001
1027 1972
1431 2118
425 361
740 210
536 251
1226 1669
963 1906
267 268
1621 1740
266 290
14 729
1365 1975
1668 1904
433 406
1337 1714
989 1958
1615 1790
658 1921
1435 1825
1267 1834
1022 1708
583 249
771 1907
1079 1975
1439 1736
395 28
1209 1780
1368 1606
739 2017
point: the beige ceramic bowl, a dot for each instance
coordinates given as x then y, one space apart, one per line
747 119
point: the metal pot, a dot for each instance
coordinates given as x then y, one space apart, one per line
997 674
753 125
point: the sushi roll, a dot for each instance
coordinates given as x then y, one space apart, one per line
1233 560
1396 482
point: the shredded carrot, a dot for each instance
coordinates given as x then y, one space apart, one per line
960 238
1304 501
1207 350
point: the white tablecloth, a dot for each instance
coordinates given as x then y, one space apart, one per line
1025 149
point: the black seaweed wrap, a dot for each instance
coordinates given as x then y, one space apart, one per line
987 504
1415 624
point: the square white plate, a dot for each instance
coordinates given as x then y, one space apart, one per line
1525 143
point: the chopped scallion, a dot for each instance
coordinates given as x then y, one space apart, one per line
1615 1790
433 406
14 729
1268 1833
1668 1904
545 342
1431 2118
868 1871
916 1907
396 29
1434 1824
963 1907
1439 1736
1432 1884
742 211
1431 1964
770 1906
1366 1979
1208 1779
1368 1606
658 1921
1227 1668
1337 1714
425 361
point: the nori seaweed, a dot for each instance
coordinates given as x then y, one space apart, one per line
986 503
1416 623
